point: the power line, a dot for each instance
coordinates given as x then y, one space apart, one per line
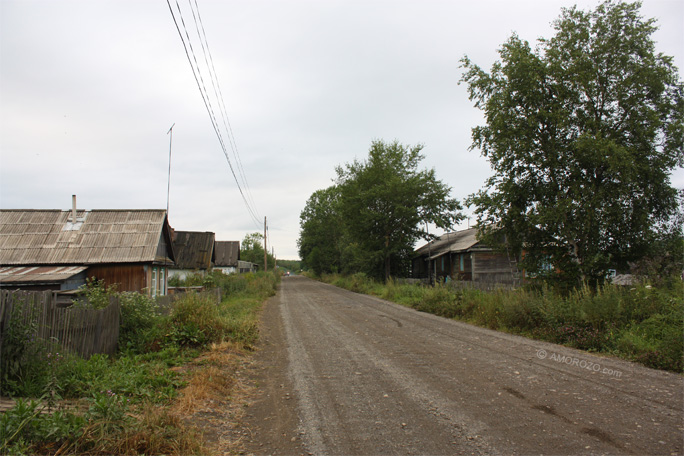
206 99
219 95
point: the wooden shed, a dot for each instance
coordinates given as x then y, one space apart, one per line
58 250
227 258
195 252
460 256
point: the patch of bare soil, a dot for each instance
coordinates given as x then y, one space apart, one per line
270 424
216 397
242 402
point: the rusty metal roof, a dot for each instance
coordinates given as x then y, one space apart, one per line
38 274
194 249
458 241
227 253
51 237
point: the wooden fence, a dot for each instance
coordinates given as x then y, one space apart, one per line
78 330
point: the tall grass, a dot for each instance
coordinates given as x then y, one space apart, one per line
640 323
123 404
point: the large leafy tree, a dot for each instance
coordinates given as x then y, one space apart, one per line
582 133
322 232
385 203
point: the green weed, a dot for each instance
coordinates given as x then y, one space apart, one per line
641 323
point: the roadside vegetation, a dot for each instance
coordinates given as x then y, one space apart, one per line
580 188
135 402
642 323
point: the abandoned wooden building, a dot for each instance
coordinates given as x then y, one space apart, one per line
194 252
227 256
461 256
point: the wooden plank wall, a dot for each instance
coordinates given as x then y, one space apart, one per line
493 267
126 277
81 331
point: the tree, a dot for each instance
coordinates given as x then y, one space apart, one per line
252 250
385 203
582 134
321 237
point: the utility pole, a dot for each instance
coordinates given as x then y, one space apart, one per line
265 251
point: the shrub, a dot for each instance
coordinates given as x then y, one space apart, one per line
139 318
438 300
656 342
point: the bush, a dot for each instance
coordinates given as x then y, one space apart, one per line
194 321
656 342
139 318
438 300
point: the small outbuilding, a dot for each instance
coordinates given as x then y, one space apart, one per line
227 256
194 253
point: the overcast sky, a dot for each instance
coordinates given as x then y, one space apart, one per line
89 90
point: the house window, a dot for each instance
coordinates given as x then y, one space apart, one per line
162 281
153 288
462 262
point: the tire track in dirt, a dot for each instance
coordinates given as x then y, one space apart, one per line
372 377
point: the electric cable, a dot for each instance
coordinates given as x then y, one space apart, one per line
207 102
219 96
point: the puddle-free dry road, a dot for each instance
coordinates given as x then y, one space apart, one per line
343 373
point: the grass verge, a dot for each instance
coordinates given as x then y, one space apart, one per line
640 323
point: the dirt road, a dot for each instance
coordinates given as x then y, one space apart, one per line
343 373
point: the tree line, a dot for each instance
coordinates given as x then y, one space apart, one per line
582 134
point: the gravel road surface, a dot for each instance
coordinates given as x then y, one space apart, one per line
343 373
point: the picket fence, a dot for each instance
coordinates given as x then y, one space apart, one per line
81 331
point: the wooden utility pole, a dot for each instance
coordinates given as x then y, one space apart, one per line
265 251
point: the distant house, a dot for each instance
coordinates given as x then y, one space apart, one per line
245 267
194 253
227 256
58 250
460 256
228 259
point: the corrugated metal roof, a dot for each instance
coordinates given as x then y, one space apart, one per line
38 274
227 253
194 249
458 241
50 237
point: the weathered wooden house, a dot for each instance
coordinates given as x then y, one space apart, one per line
59 250
194 252
460 256
228 259
227 256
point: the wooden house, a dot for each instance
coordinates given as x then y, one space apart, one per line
227 257
460 256
59 250
195 252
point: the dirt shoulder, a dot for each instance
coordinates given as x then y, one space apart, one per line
270 423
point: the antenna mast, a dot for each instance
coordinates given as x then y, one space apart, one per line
168 185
